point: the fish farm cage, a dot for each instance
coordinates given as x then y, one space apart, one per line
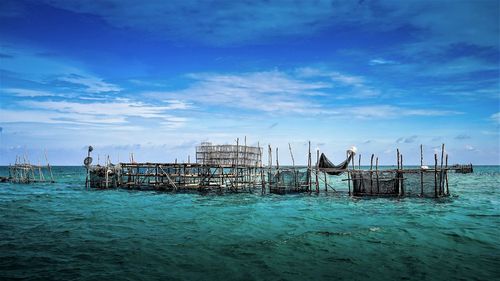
239 168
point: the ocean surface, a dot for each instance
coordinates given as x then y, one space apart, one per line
61 231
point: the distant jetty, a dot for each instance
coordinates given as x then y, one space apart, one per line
239 168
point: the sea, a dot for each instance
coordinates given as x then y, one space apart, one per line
62 231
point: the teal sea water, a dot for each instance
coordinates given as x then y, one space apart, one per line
63 232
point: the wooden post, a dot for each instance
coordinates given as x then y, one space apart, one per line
446 173
237 161
401 176
326 182
270 160
441 174
349 175
359 162
291 155
317 170
48 166
295 180
421 171
277 159
262 179
309 170
435 175
376 173
371 174
397 152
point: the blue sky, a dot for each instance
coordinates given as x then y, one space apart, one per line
157 77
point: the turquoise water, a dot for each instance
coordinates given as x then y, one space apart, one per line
64 232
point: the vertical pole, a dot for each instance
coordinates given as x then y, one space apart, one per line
435 175
277 170
446 173
441 174
262 179
309 176
401 177
48 166
397 154
421 171
295 180
317 170
237 161
359 162
371 174
326 182
277 159
376 173
349 174
270 160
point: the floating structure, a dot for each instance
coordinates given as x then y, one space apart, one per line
218 167
239 168
25 172
423 182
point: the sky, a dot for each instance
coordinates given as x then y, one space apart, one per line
156 78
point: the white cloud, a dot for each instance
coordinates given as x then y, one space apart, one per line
387 111
495 118
28 93
381 61
115 112
91 84
270 91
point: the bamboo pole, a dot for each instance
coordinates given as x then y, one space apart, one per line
270 160
376 173
441 183
446 173
291 155
237 161
48 166
371 174
349 175
435 175
262 179
326 182
317 170
401 175
421 171
309 170
295 180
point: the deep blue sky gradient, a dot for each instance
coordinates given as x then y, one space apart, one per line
156 78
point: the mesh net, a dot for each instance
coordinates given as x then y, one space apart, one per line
397 183
286 181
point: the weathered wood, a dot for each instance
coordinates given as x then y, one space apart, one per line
435 175
317 170
371 174
421 171
441 183
376 171
446 173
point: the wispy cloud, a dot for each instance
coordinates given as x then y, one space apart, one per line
268 91
91 84
18 92
410 139
381 61
495 118
388 111
95 113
